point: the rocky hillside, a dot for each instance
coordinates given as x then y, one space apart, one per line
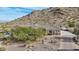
57 16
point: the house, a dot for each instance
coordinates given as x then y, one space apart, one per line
50 30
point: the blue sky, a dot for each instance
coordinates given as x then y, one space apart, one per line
11 13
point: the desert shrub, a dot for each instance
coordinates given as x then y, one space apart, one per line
76 29
27 33
6 41
70 23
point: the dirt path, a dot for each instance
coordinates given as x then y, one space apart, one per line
49 44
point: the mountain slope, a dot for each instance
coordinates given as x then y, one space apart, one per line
54 16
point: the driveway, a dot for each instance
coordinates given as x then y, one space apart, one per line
68 44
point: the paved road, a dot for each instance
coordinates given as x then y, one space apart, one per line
65 44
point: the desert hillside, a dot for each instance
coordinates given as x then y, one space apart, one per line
57 16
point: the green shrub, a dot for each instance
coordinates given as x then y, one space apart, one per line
70 23
76 29
27 33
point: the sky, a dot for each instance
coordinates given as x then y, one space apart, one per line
11 13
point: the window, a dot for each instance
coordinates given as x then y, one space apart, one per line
50 32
